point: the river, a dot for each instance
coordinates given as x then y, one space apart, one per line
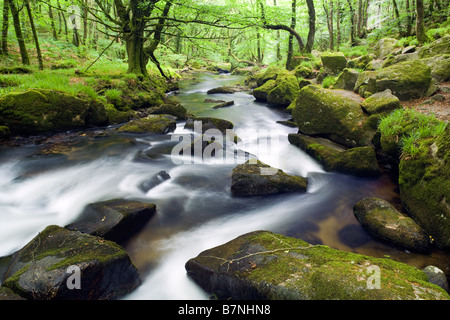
50 180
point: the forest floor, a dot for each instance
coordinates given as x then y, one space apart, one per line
438 104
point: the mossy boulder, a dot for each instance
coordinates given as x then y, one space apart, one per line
359 161
332 115
394 59
206 123
262 265
154 123
255 178
260 93
438 47
333 62
366 82
424 183
379 105
284 92
39 271
171 107
270 73
114 220
384 47
440 67
383 221
360 62
38 111
346 79
407 80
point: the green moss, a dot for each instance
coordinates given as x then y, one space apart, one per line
260 93
160 124
327 273
285 92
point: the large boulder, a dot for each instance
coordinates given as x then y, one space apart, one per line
424 183
154 123
385 222
206 123
265 266
347 79
173 108
260 93
440 67
114 220
38 111
359 161
384 47
380 105
255 178
333 62
284 92
330 114
407 80
438 47
42 269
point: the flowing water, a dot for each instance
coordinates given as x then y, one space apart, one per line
51 180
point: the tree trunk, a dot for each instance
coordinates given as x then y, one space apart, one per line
19 35
35 36
397 17
52 22
338 26
408 19
329 18
312 25
420 30
5 25
291 36
352 26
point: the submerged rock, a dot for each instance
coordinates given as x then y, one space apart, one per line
254 179
384 222
359 161
114 220
263 265
172 108
41 269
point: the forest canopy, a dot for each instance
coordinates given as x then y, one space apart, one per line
161 34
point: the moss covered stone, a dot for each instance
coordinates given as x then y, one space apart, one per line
39 270
254 179
284 92
424 183
174 108
114 220
407 80
43 110
332 115
346 79
386 223
438 47
361 62
271 73
155 123
384 47
206 123
333 62
381 103
359 161
440 67
260 93
264 265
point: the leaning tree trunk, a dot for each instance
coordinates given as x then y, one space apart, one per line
137 59
35 36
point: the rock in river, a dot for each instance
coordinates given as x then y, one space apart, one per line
386 223
254 179
114 220
40 270
264 265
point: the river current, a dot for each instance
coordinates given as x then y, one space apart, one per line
50 182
